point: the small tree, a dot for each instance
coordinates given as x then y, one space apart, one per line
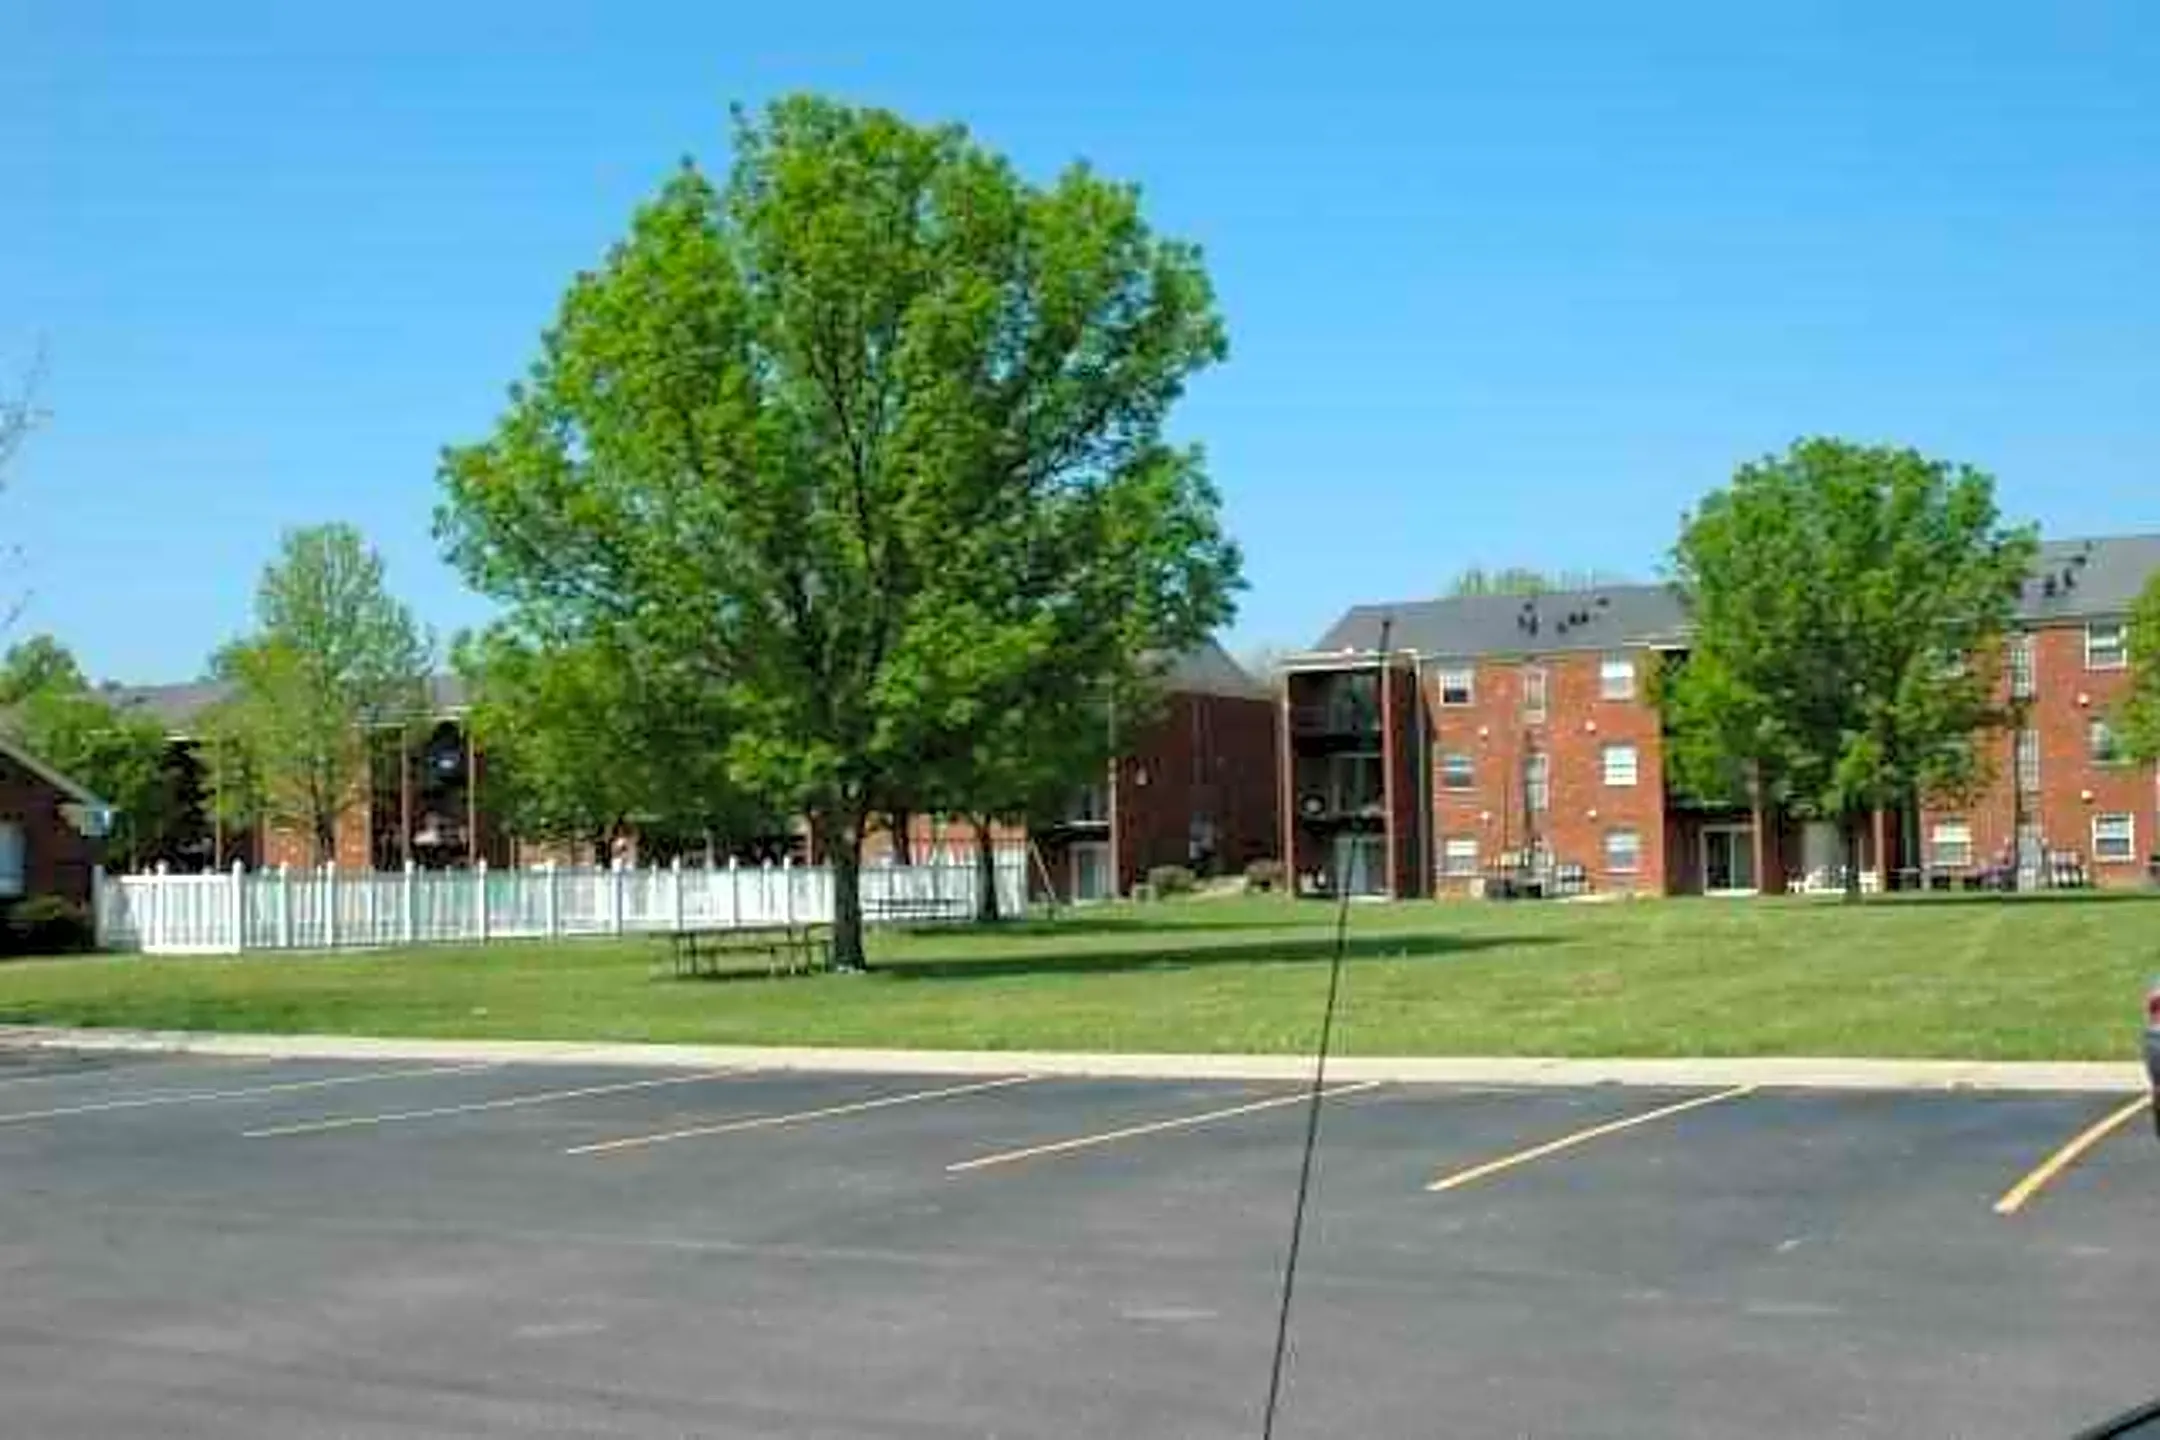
2139 719
856 439
1848 605
35 666
335 660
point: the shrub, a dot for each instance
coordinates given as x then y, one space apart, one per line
1264 875
48 925
1167 880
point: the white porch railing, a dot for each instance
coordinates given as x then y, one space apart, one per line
326 909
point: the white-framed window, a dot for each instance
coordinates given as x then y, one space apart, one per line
1616 677
1537 781
2027 755
1620 764
2023 685
1458 856
2105 645
2114 839
1457 684
1457 771
2102 745
1623 851
14 860
1533 692
1950 844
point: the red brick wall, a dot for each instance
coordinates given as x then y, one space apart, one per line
1207 756
2073 789
1497 734
57 858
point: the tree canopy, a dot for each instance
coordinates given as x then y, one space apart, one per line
334 659
860 439
1847 606
120 757
1524 580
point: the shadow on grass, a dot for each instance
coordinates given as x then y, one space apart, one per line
1318 948
1923 900
1179 919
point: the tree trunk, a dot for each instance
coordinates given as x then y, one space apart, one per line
843 849
325 838
986 891
1849 824
899 824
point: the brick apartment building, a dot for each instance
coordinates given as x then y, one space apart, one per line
1195 787
1513 740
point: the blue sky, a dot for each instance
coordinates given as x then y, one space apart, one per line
1505 283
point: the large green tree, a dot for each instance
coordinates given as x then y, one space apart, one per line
334 660
123 758
1847 607
2139 719
856 438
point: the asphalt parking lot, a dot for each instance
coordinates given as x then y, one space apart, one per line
198 1247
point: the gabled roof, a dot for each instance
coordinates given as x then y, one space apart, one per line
73 789
2087 579
1608 617
180 708
1207 669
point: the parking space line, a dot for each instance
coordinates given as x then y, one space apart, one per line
508 1102
794 1117
1475 1173
1156 1127
2016 1196
182 1097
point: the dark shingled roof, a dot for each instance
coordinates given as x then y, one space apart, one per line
1207 669
180 708
1606 618
2093 578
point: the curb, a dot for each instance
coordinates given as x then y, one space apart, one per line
1828 1073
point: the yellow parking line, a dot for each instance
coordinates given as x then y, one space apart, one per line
182 1097
771 1122
508 1102
2014 1198
1490 1168
1157 1127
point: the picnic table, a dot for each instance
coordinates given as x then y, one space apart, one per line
919 908
796 949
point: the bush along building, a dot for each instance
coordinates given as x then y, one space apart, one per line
1510 744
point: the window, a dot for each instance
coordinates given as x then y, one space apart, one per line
1533 692
1458 684
2028 762
1616 677
2021 667
2104 646
1457 772
2114 839
2101 743
13 858
1458 856
1623 852
1537 782
1950 844
1619 764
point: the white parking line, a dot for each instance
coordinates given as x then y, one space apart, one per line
770 1122
182 1097
508 1102
1154 1127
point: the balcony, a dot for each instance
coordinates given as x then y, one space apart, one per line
1348 787
1335 719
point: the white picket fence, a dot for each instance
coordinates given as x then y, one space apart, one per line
327 909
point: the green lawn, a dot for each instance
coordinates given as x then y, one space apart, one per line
2035 978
